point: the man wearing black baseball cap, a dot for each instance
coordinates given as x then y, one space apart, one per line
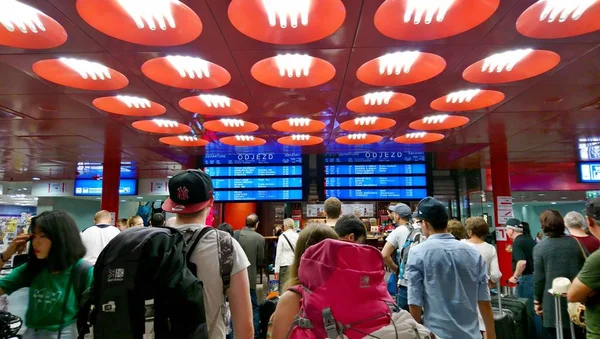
447 279
586 287
191 198
522 259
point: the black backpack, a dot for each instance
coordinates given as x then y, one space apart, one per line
145 274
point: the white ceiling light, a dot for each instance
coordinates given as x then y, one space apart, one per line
416 135
504 61
244 138
294 10
462 96
190 67
87 69
165 123
357 136
293 65
378 98
15 15
299 122
233 122
136 102
424 10
36 179
562 9
396 63
435 119
365 121
300 137
216 101
188 138
150 13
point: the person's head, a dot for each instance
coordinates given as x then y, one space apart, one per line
135 221
172 221
350 228
592 213
102 217
55 242
514 228
402 214
288 224
390 211
456 228
190 196
552 223
122 224
158 219
225 227
417 222
332 208
540 235
310 235
477 227
575 221
252 221
526 229
434 216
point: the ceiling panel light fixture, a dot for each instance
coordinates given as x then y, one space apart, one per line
296 11
27 27
298 125
186 72
467 100
162 126
299 122
396 63
419 138
358 139
367 124
419 11
233 122
230 126
462 96
300 140
244 138
401 68
213 105
184 141
564 9
504 61
357 136
293 71
190 67
300 137
134 102
380 102
18 16
553 19
150 14
129 106
188 138
416 135
362 121
215 101
243 141
165 123
81 74
291 65
378 98
435 119
87 69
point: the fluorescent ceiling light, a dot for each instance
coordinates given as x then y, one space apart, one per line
293 10
16 15
165 123
301 137
396 63
504 61
233 122
419 11
563 9
36 179
216 101
134 102
462 96
378 98
190 67
188 138
365 121
244 138
87 69
416 135
297 65
299 122
357 136
435 119
150 13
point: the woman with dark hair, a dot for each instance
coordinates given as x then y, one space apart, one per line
55 250
557 256
526 229
225 227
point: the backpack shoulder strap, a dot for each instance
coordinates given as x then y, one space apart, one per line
80 280
289 243
225 251
192 242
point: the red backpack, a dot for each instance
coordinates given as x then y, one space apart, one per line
344 295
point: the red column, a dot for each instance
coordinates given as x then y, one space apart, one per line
235 213
501 188
111 169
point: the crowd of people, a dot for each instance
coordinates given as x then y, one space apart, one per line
442 272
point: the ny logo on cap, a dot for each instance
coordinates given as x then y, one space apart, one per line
183 193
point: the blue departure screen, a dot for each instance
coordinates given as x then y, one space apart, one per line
253 171
252 159
375 157
397 181
590 172
258 195
372 169
377 194
257 183
90 187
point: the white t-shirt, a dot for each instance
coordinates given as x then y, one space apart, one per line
95 238
206 259
488 252
285 254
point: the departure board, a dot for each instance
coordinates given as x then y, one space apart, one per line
589 172
399 175
255 176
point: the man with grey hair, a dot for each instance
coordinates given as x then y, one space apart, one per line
284 257
576 225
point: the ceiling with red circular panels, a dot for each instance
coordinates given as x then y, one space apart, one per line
380 102
23 26
154 23
417 20
401 68
287 22
552 19
129 105
78 74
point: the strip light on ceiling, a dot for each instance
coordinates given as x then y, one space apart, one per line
134 102
362 121
233 122
416 135
190 67
462 96
16 15
87 69
378 98
419 11
504 61
244 138
563 9
396 63
165 123
296 11
357 136
300 137
188 138
297 65
150 13
216 101
435 119
299 122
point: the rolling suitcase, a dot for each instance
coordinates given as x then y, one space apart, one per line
504 322
522 317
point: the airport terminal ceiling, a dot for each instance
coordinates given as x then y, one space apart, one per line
80 76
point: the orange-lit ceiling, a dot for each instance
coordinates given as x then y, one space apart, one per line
174 79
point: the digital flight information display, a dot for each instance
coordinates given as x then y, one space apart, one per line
255 176
589 172
400 175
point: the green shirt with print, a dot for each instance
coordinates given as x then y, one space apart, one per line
590 276
46 296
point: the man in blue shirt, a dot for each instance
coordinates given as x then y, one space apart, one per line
447 280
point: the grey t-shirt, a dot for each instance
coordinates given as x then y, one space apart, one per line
254 246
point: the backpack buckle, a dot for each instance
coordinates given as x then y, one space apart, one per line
330 324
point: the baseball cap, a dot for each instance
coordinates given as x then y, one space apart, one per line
402 210
514 223
189 191
592 209
432 210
